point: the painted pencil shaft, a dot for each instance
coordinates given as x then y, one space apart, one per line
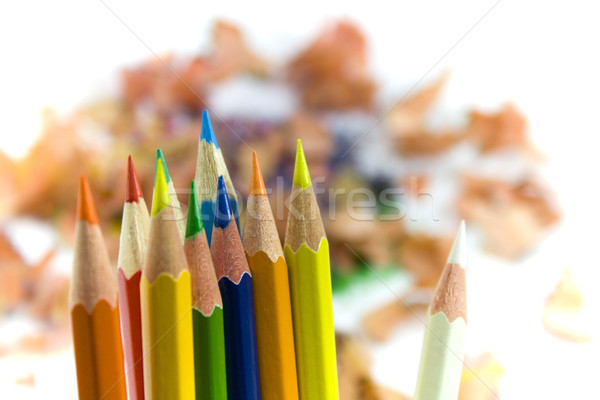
273 317
132 251
235 283
99 364
94 310
444 342
209 355
310 290
306 251
165 290
441 358
131 330
167 337
240 339
207 310
275 336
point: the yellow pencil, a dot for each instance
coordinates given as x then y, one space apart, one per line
166 302
307 254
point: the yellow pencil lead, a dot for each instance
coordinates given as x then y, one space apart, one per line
301 175
160 197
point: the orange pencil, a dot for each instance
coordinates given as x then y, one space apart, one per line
94 310
274 331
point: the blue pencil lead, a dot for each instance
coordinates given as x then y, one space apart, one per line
206 130
223 211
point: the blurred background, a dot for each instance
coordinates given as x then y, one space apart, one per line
482 110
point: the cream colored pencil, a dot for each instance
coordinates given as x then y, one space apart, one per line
443 346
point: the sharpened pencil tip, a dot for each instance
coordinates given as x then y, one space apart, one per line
458 254
206 130
223 211
134 191
257 185
161 156
86 211
301 175
194 218
160 196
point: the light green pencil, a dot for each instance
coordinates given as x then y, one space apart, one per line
444 343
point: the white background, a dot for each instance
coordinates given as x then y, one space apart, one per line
541 55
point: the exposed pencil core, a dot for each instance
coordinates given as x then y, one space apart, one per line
223 211
86 211
301 175
206 130
160 197
134 191
160 156
257 185
458 254
194 220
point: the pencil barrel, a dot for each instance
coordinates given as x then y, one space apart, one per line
312 311
209 355
274 332
240 339
98 353
131 330
168 338
441 358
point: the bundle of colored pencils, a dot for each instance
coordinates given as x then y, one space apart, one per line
198 311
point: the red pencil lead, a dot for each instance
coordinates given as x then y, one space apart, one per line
134 191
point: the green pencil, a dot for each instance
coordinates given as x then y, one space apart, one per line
207 310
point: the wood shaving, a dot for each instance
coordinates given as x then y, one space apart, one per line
512 216
332 73
564 313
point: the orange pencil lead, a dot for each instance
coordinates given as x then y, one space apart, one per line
86 211
257 185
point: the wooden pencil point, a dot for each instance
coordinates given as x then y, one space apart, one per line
134 191
301 175
86 211
257 185
445 330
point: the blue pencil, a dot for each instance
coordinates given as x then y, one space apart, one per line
209 167
235 282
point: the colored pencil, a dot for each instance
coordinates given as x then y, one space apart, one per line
94 309
174 204
166 299
306 251
274 331
207 310
444 343
235 283
132 252
209 167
